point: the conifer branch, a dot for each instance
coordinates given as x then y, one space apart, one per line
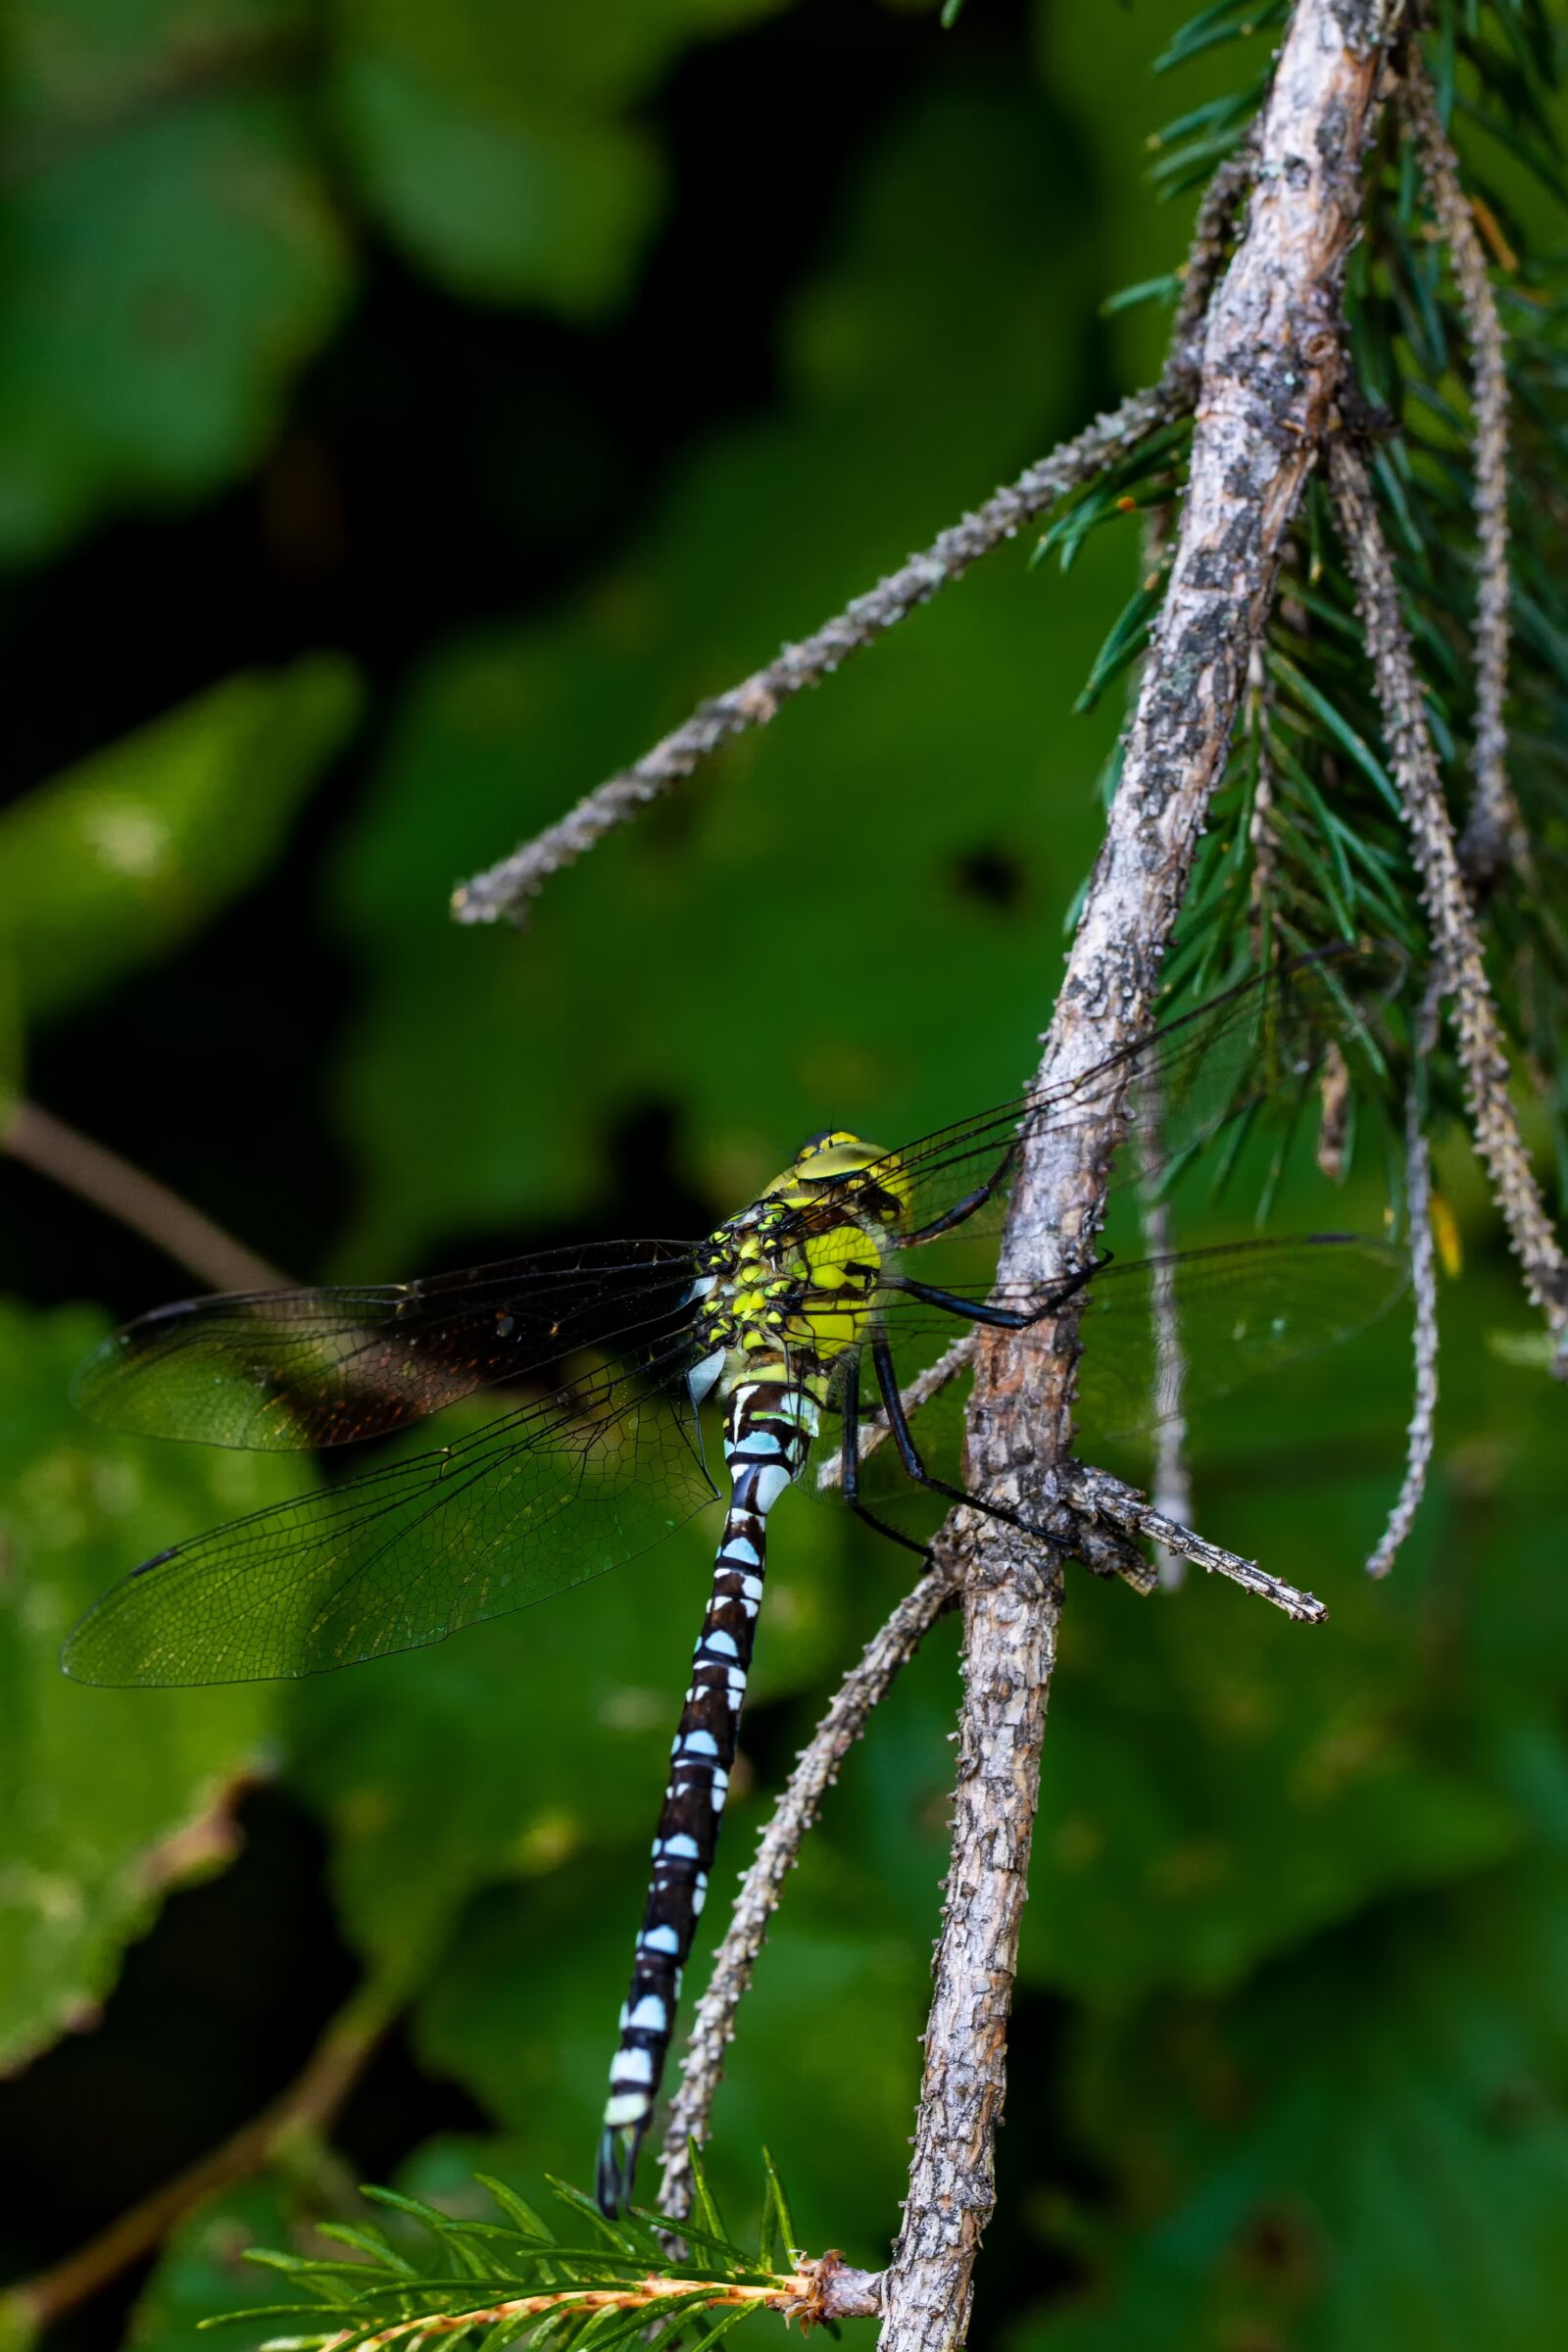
1413 759
816 2294
1422 1431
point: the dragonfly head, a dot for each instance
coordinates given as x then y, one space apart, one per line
837 1161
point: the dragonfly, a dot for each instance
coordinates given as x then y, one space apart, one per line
611 1354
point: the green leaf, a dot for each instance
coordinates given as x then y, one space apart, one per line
87 1852
498 146
532 208
1368 2149
114 863
204 2271
501 732
163 282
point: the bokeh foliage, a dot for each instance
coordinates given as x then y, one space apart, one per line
1292 2047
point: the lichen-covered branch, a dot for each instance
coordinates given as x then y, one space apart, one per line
1096 1495
504 891
1482 1058
1423 1286
1270 368
1494 835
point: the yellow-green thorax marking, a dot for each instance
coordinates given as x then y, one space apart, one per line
789 1284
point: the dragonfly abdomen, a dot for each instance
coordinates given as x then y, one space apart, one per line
768 1430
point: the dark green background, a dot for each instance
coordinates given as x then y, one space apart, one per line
406 410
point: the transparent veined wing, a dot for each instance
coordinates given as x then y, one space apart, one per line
536 1500
1257 1047
288 1369
1171 1334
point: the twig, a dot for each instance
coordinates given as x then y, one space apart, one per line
816 1768
306 2107
1458 946
1271 360
1423 1286
1092 1495
1494 835
505 890
42 1142
1100 1496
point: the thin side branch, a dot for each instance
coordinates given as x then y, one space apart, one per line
1424 1290
1097 1494
1092 1495
40 1141
1494 834
1415 761
504 891
816 1768
1270 368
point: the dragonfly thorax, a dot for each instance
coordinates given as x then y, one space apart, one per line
786 1288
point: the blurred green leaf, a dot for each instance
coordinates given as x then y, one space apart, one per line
202 2271
109 1796
901 841
169 261
114 862
1371 2148
495 143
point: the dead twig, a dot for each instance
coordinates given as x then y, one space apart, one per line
504 891
1483 1059
1494 836
1424 1289
816 1768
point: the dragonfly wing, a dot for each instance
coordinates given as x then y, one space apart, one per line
1171 1334
535 1501
1254 1049
291 1369
1168 1336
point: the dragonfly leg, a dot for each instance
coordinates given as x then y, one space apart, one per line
887 1377
850 1462
1002 1318
963 1210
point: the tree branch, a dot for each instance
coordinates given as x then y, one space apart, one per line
1270 367
1478 1030
504 891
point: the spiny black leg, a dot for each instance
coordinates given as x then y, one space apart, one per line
961 1210
850 1462
1002 1318
887 1380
